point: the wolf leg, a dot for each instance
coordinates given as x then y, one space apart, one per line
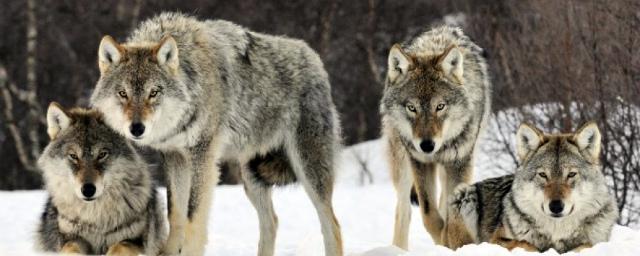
204 179
75 246
124 249
453 175
260 197
500 238
313 167
455 233
178 187
402 181
424 175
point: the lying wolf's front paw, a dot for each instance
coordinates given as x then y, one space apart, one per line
124 249
73 247
174 244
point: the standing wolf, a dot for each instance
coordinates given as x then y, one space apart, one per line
558 197
436 100
211 92
102 199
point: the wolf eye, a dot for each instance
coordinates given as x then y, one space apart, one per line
153 93
440 107
103 155
572 174
411 108
543 175
122 94
73 157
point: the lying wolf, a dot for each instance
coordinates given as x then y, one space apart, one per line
101 196
557 198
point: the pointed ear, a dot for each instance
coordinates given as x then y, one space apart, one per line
109 53
451 63
528 139
588 139
399 62
167 52
57 120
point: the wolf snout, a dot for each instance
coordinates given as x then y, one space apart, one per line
136 129
88 190
556 207
427 145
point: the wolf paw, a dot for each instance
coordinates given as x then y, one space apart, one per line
174 245
124 249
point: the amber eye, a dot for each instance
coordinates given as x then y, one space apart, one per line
103 155
440 107
543 175
122 94
411 108
153 94
572 174
73 157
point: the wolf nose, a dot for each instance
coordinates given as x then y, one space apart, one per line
88 190
427 146
136 129
556 206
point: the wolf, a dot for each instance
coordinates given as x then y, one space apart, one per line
101 196
557 198
436 99
207 93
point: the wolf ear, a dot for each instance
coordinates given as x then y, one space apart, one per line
399 62
528 139
588 139
57 120
167 52
109 53
450 62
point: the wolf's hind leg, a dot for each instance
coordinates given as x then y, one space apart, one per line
313 167
424 176
124 249
260 196
403 182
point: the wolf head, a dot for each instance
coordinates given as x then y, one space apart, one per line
85 157
559 175
425 97
140 90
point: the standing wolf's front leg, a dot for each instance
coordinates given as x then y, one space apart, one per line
178 186
205 177
424 176
455 173
402 181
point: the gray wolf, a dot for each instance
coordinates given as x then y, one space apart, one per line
557 198
101 196
209 92
435 103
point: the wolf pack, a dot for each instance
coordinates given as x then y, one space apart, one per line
209 93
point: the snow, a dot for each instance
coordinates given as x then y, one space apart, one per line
365 212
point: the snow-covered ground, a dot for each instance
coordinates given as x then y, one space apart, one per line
365 212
